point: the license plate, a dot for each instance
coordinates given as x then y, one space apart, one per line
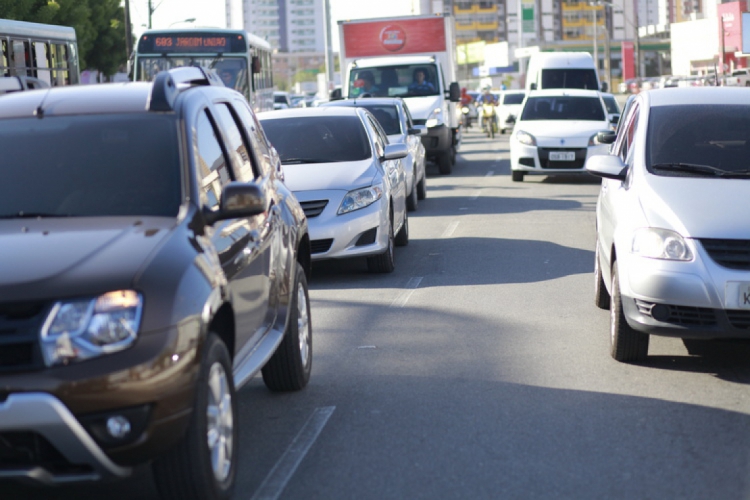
744 296
737 295
562 155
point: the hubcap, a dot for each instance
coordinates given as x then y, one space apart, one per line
220 422
303 325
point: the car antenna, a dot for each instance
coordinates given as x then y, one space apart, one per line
39 111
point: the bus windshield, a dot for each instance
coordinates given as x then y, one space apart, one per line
232 70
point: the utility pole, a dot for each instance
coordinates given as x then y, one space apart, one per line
128 30
596 35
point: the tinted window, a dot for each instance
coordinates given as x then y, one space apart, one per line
90 166
713 135
212 165
569 79
318 139
563 108
387 116
395 81
513 98
236 141
611 104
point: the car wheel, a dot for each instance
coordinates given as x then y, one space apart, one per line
289 367
204 464
422 189
445 163
402 238
601 295
626 344
411 200
517 175
384 262
453 154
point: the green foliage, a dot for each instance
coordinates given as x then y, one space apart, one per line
99 25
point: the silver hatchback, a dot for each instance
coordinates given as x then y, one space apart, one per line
673 239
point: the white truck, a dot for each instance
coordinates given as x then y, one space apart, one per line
414 58
738 78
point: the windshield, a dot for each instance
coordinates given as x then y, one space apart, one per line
395 81
318 139
515 98
713 136
563 108
96 165
569 79
231 70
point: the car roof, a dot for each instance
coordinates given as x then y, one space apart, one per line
697 95
564 92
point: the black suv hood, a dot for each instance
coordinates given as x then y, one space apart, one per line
55 258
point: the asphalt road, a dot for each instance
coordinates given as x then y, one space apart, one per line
479 369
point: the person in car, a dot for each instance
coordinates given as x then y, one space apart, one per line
420 84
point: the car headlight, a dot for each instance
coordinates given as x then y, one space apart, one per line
592 140
360 198
81 329
660 244
525 138
436 118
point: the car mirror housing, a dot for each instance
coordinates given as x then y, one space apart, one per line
454 92
395 152
418 130
607 166
238 199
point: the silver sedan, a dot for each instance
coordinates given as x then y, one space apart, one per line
394 116
348 179
673 246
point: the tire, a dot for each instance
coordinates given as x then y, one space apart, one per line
384 262
626 344
289 367
412 199
402 238
492 132
204 465
517 175
445 163
422 189
601 295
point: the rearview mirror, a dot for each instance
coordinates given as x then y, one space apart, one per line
395 151
454 92
607 166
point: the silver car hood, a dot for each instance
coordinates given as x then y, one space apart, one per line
697 207
345 175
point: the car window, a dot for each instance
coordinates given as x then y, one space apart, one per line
379 137
611 104
213 170
569 78
318 139
409 120
256 135
563 108
624 143
91 165
513 98
236 142
387 116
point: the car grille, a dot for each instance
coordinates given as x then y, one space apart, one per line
29 449
20 323
734 254
578 163
739 319
678 315
313 208
320 246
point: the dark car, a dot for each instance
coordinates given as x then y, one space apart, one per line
153 262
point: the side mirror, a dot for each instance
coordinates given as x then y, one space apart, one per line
532 86
336 94
395 151
238 199
418 130
606 137
605 87
607 166
454 92
615 119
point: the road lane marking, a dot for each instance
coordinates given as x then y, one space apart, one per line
403 297
449 230
276 480
475 195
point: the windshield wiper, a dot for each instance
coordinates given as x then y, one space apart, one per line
31 215
698 169
286 161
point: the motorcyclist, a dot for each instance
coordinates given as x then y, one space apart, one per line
486 99
467 105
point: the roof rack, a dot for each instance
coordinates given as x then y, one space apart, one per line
165 88
10 84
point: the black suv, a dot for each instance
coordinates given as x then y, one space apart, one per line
153 261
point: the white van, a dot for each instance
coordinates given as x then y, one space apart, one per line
562 70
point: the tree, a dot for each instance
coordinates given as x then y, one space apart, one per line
99 25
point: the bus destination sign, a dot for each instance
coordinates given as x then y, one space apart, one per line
184 42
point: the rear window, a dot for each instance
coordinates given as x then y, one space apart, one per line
611 104
318 139
569 79
95 165
563 108
513 98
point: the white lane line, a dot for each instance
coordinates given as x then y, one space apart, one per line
403 297
475 195
490 173
449 230
276 480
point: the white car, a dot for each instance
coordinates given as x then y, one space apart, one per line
509 108
348 179
556 132
673 247
393 115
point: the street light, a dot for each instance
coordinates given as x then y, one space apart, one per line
596 4
188 20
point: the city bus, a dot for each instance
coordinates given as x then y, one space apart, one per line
43 51
242 60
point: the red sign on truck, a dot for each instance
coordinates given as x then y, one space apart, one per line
385 38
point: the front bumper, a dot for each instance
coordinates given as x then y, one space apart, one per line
535 160
438 140
697 299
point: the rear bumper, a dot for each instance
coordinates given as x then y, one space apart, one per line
438 140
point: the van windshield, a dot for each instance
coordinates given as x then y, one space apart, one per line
395 81
566 78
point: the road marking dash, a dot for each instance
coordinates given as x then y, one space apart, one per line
403 297
450 229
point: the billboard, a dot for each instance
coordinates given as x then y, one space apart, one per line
389 38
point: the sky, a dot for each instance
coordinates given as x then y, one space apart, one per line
173 13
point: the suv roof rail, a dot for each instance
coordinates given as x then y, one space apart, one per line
165 90
18 83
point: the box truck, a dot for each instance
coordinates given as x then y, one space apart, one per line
414 58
